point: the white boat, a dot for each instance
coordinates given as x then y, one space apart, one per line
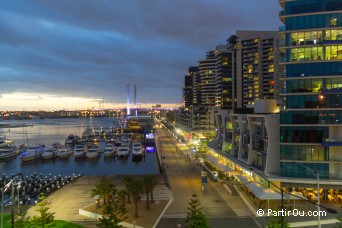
64 152
122 151
4 142
109 150
71 139
93 152
86 133
79 151
56 145
137 149
32 152
8 152
50 153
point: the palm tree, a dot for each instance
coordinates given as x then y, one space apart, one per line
135 188
147 184
104 188
122 194
150 182
127 181
154 183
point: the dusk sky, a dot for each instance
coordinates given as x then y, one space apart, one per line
69 54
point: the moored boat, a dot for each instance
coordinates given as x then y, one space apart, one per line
71 139
122 151
137 149
64 152
32 152
79 151
50 153
109 150
93 152
8 152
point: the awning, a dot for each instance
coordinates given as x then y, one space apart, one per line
297 195
269 194
244 180
261 193
224 168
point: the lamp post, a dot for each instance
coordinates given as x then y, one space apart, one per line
18 189
3 190
316 174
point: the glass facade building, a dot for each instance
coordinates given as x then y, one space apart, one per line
311 119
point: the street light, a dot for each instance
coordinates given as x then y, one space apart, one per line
316 174
3 190
18 189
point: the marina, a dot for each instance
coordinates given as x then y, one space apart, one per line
58 132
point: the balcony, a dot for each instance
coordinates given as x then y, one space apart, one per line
332 91
332 142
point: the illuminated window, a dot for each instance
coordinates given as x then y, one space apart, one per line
271 68
333 22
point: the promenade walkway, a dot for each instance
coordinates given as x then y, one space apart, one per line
222 209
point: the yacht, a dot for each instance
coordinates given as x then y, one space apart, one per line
50 153
56 145
109 150
137 149
4 142
122 151
64 152
79 151
71 139
8 152
32 152
93 152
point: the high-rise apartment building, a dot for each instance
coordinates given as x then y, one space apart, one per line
225 65
310 121
208 79
257 66
190 94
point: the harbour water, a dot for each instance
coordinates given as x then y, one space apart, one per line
47 131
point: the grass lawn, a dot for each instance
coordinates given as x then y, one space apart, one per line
55 224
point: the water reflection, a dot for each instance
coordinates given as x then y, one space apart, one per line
48 131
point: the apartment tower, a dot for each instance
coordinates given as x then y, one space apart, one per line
310 121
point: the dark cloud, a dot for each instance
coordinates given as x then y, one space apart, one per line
94 48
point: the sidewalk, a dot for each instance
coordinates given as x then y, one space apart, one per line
222 208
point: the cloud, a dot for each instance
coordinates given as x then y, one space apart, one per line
94 48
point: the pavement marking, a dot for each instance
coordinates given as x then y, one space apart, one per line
161 192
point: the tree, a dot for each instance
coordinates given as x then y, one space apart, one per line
104 188
149 183
21 218
135 188
45 217
127 181
114 213
147 189
154 183
122 194
196 217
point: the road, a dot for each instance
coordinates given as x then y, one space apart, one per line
222 209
